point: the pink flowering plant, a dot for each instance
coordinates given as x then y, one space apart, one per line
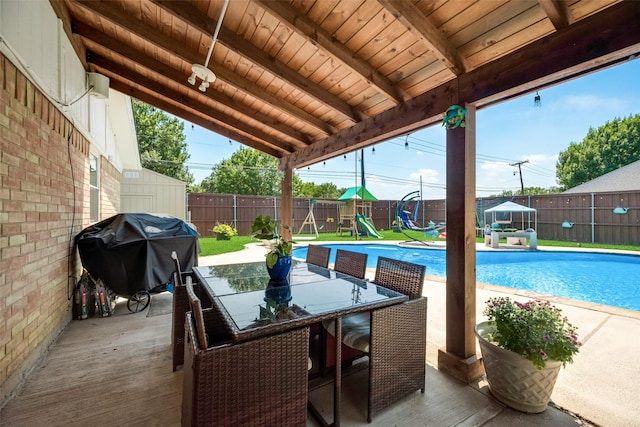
534 329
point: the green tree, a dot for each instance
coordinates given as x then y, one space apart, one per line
325 190
607 148
248 171
528 191
161 142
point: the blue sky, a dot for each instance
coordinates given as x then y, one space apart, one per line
507 133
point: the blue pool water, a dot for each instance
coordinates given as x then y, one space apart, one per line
601 278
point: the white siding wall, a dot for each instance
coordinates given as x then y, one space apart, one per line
146 191
48 58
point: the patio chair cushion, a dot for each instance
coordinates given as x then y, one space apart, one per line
356 330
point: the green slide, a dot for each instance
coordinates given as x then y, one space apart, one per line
370 229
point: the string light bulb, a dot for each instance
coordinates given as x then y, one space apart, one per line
537 101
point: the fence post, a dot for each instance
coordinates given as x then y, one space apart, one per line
593 218
275 209
235 212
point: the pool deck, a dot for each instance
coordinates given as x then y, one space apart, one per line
600 387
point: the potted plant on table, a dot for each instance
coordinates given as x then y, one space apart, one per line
280 249
224 231
523 346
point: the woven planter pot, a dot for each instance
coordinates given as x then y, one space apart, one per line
513 379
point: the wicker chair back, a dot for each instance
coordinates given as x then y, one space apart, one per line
318 255
196 309
351 263
400 276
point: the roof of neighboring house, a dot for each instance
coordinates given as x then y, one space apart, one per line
626 178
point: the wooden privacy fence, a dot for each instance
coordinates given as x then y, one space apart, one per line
582 218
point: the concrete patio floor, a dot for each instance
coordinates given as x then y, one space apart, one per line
118 370
599 388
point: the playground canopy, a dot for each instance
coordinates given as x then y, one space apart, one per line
511 208
358 192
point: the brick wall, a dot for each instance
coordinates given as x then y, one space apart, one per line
41 210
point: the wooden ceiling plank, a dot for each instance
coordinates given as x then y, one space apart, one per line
337 16
460 31
418 24
558 12
509 44
309 29
247 50
166 43
191 116
116 69
590 44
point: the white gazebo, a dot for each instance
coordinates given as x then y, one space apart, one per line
498 213
501 216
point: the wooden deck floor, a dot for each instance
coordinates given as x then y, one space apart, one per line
117 371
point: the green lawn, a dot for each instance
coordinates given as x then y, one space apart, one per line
211 246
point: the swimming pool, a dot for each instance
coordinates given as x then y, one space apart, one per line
609 279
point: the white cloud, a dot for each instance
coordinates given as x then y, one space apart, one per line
430 176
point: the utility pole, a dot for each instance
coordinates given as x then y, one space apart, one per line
519 164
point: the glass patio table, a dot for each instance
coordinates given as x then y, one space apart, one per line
254 307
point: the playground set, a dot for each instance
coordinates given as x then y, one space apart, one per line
354 215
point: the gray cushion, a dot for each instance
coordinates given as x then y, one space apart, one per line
356 330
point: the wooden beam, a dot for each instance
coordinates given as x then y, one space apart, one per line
591 44
243 48
193 117
572 52
412 18
406 118
286 209
558 12
459 357
310 30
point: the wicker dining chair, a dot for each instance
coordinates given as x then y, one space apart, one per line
394 338
261 382
351 263
318 255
